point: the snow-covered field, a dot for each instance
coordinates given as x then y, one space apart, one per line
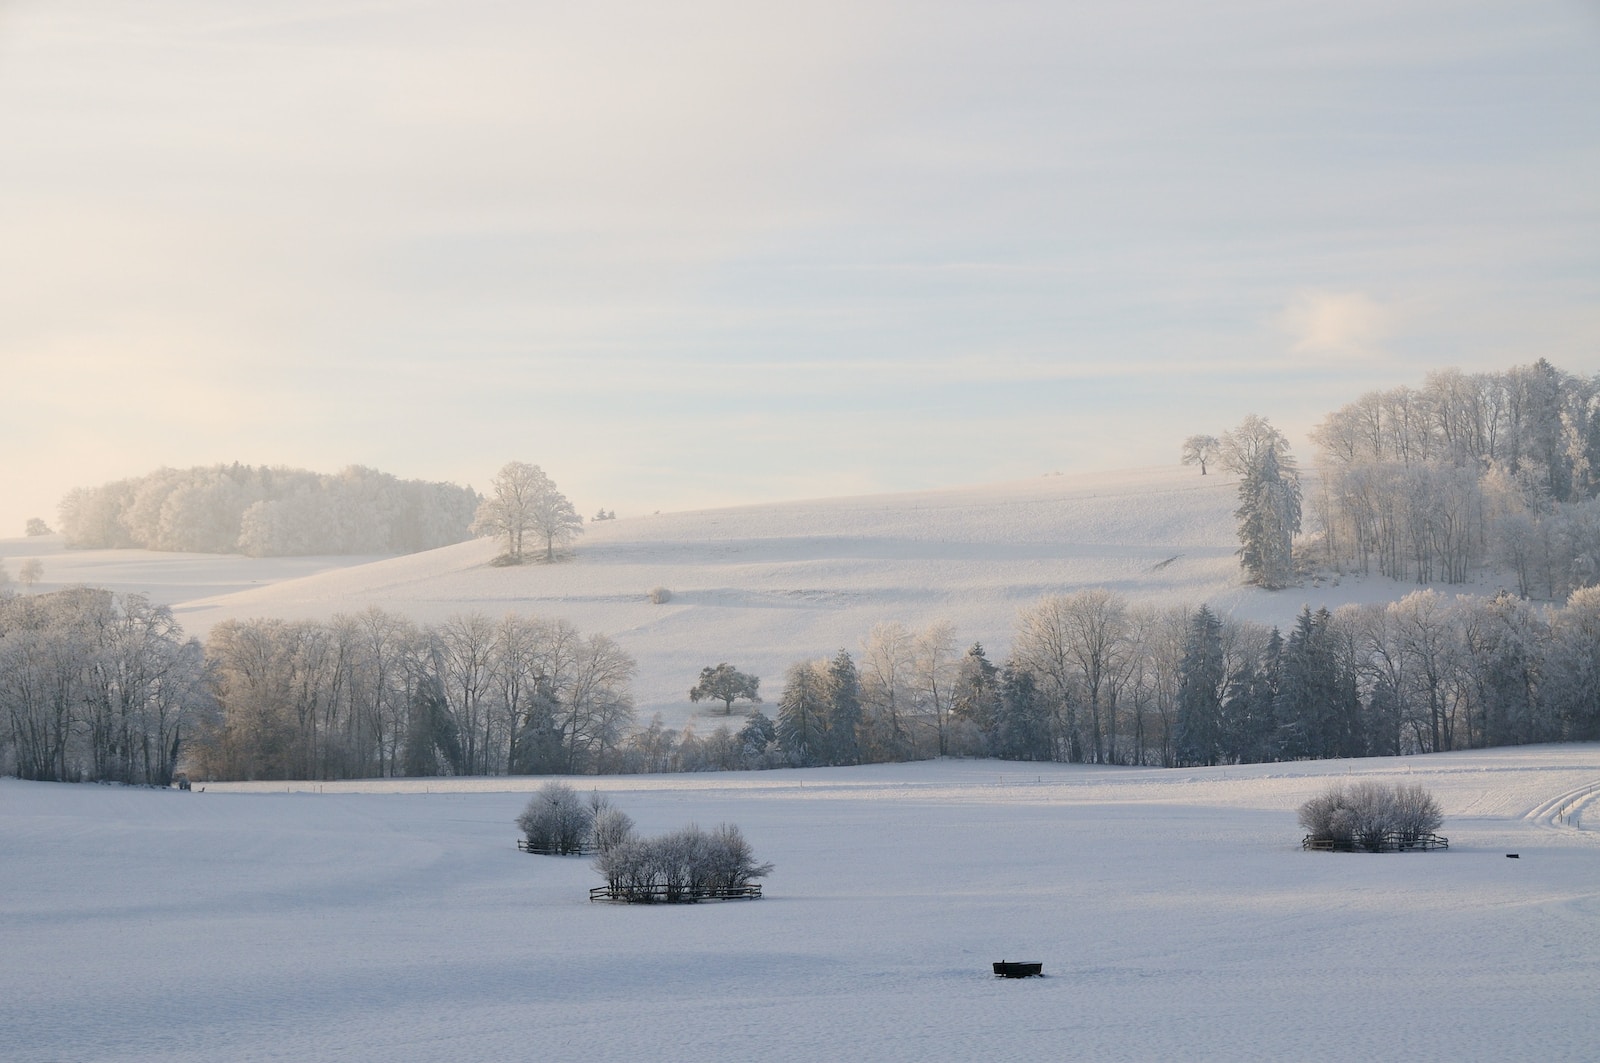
1176 917
765 586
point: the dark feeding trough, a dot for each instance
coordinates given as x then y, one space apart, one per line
1017 969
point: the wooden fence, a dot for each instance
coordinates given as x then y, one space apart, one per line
671 895
1391 842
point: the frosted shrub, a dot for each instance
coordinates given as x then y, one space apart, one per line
556 820
612 827
682 866
660 596
1415 813
1365 815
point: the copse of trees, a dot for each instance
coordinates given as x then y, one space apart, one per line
526 504
97 687
1428 483
268 512
374 695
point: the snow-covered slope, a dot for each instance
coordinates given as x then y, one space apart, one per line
1174 912
765 586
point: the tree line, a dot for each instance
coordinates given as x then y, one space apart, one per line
267 511
96 686
1094 679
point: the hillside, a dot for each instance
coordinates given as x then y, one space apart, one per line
764 586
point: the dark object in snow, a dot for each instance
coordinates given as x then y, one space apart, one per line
1513 856
183 781
1017 969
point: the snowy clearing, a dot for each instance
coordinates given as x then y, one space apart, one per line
1174 912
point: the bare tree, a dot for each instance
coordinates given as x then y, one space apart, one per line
1199 450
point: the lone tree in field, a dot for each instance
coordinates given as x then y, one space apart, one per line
726 684
1199 450
526 503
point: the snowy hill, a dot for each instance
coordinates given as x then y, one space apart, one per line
765 586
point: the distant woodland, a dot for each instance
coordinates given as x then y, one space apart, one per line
1494 469
267 511
1472 469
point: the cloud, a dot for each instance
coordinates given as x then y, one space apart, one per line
1334 324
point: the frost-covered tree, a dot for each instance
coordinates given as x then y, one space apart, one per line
37 526
96 686
1023 723
268 511
726 684
934 667
975 699
526 503
558 821
803 714
1201 678
685 865
1269 519
1200 450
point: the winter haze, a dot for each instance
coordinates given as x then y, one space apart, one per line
715 253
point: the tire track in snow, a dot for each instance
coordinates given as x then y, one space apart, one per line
1564 810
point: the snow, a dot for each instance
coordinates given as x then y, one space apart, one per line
762 587
1174 912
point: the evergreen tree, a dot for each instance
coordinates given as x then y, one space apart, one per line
1200 683
1318 704
843 710
1269 519
756 737
976 696
431 733
802 715
1022 730
1250 722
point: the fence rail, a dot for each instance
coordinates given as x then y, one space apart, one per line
524 845
1390 842
673 895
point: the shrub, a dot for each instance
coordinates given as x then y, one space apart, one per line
682 866
556 820
1365 815
612 827
660 596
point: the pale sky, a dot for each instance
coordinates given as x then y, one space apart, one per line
698 253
